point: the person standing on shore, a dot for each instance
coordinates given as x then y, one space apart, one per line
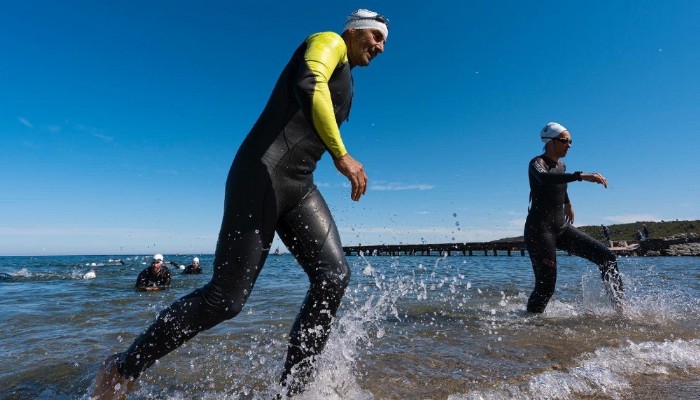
606 234
548 226
270 189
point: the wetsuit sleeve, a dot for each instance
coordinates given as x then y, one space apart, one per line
539 171
168 277
324 52
142 280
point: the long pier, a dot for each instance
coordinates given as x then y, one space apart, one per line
470 249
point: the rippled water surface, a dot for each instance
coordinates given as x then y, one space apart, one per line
410 327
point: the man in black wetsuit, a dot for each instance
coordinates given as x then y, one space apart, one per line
548 225
270 189
193 268
155 277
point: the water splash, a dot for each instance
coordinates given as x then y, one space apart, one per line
367 306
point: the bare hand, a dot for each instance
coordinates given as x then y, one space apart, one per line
355 173
595 177
569 213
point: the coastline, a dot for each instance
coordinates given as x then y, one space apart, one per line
674 246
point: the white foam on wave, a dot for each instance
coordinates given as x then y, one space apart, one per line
22 272
607 372
76 274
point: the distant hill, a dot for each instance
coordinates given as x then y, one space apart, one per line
627 231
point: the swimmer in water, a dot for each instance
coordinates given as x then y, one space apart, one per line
549 221
270 189
155 277
193 268
90 274
6 277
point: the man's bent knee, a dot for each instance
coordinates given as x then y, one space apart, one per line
337 281
225 304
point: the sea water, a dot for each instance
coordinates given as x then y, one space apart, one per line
409 327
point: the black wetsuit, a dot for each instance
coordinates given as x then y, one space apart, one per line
270 189
147 278
190 269
546 230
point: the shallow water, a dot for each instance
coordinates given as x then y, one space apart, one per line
410 327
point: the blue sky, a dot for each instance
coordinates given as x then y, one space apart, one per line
119 120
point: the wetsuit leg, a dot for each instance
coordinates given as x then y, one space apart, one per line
310 233
244 241
578 243
541 246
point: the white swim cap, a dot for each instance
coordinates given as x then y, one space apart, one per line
550 131
196 259
158 257
366 19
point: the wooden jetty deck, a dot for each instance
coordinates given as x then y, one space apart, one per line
626 250
485 248
438 248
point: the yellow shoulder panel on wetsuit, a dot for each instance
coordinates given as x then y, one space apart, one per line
324 52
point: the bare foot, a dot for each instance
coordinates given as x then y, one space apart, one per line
109 383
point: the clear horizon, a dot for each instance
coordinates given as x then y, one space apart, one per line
283 249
